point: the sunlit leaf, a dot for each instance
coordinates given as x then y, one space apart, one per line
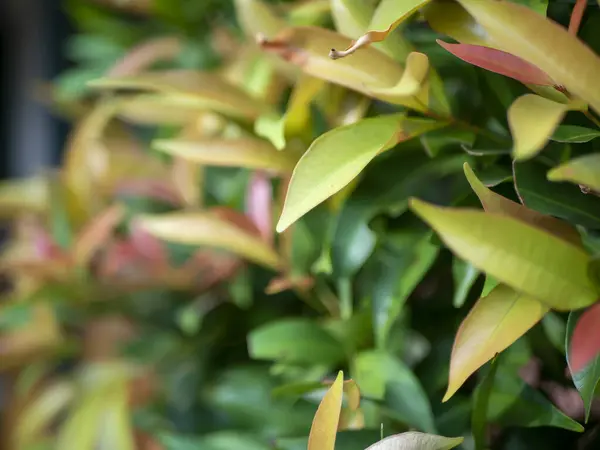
583 353
256 16
190 89
325 423
494 323
336 157
584 170
208 229
451 19
294 341
527 259
498 204
156 109
307 48
542 42
393 13
498 61
415 73
250 153
413 440
574 134
465 276
351 17
23 195
532 121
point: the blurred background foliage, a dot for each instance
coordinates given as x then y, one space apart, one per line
112 339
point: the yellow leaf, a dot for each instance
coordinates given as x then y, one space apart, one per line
532 120
207 229
307 48
497 204
415 73
523 32
250 153
492 325
256 17
525 258
188 179
353 392
157 109
23 195
325 423
191 89
584 170
453 20
335 158
391 13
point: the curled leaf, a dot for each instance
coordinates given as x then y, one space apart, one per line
397 11
492 325
243 152
497 204
325 423
415 73
499 62
532 120
584 170
527 259
351 17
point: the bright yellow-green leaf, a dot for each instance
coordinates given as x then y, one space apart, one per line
312 12
415 73
532 121
157 109
325 423
584 170
43 411
388 16
497 204
23 195
81 429
493 324
296 120
191 89
351 17
336 157
256 17
523 32
307 48
206 229
525 258
116 428
414 440
250 153
453 20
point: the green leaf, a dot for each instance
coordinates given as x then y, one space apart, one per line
346 440
492 325
465 276
245 152
335 158
413 440
555 330
497 204
532 121
574 134
325 424
587 379
382 376
256 16
584 170
542 42
525 258
481 398
294 341
514 403
351 17
563 200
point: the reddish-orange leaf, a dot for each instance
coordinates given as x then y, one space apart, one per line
499 62
585 344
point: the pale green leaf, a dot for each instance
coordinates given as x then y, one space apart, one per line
325 423
532 121
257 17
527 259
465 276
415 73
249 153
413 440
351 17
494 323
523 32
207 229
337 157
584 170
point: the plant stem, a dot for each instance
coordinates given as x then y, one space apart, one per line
592 119
345 294
576 16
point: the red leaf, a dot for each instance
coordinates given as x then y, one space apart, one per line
585 343
259 204
499 62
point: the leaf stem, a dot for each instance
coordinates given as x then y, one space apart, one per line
576 16
591 117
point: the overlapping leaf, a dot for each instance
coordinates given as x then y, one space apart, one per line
584 170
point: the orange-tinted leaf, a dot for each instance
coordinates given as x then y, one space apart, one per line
96 233
325 423
585 342
498 61
259 204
